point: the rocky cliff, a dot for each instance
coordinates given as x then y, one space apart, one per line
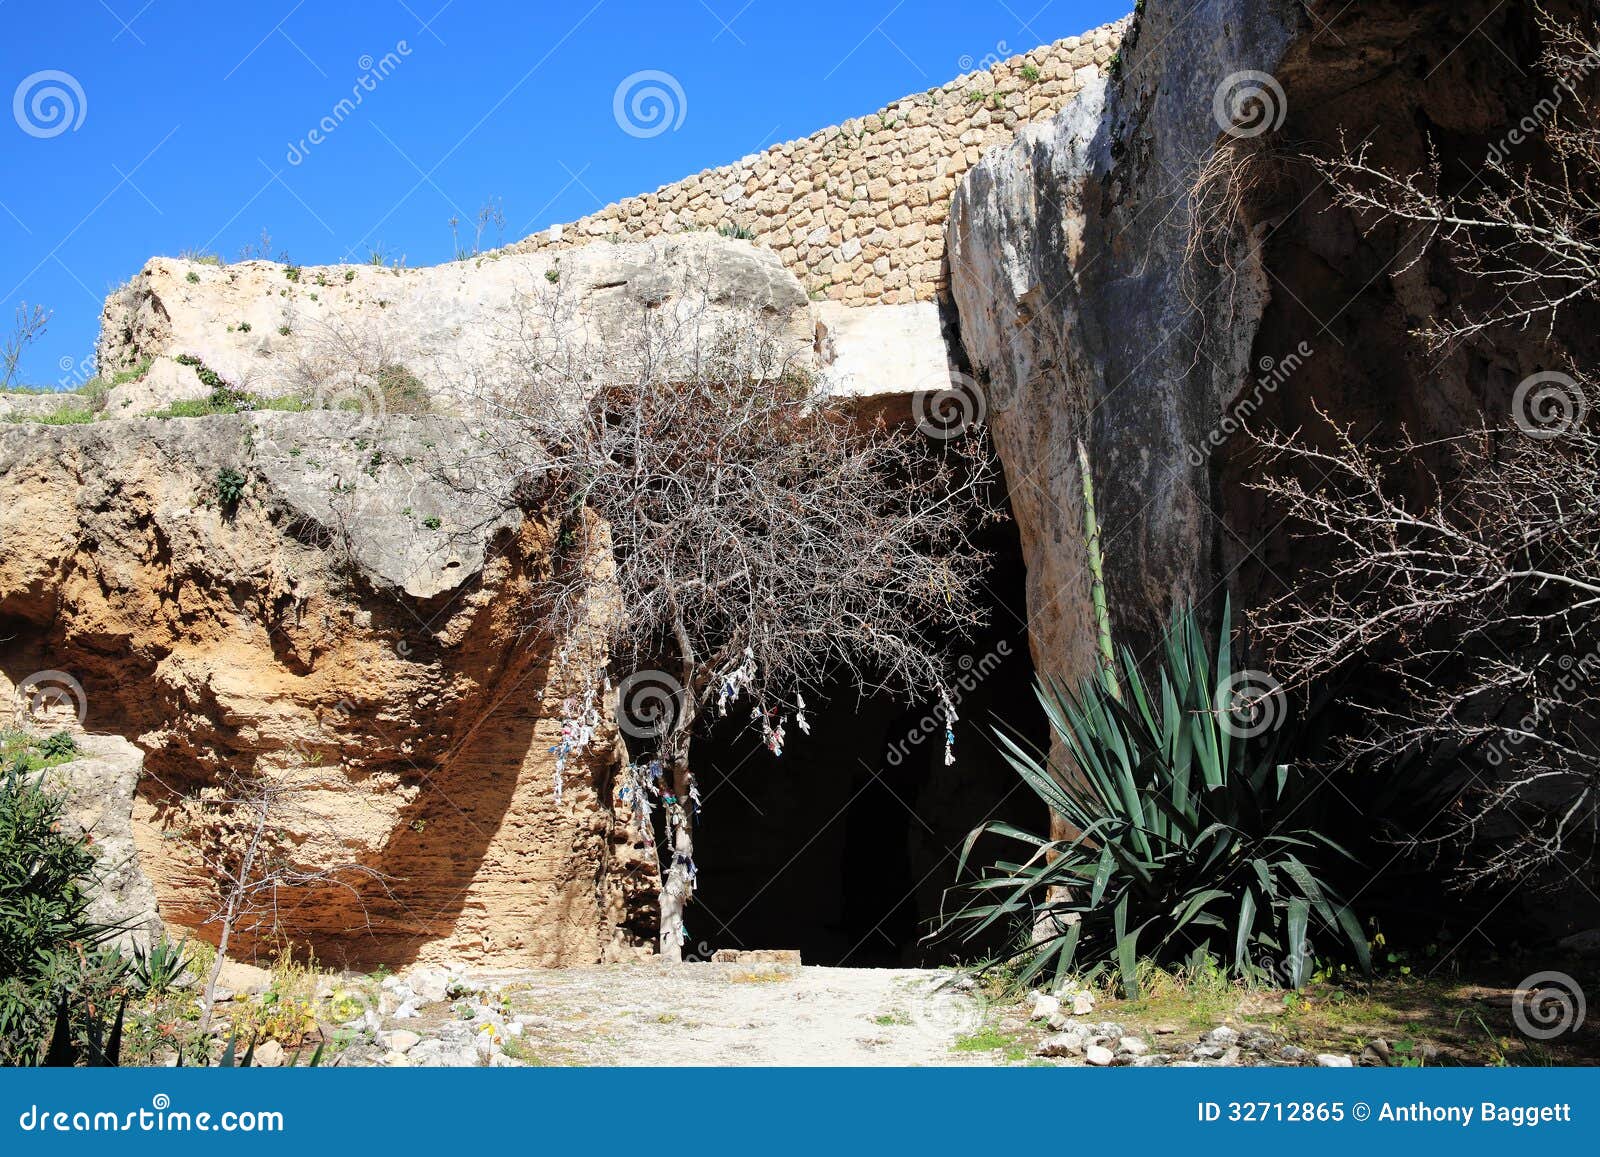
346 621
1158 262
1146 256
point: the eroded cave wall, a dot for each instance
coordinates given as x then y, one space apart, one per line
352 626
1420 83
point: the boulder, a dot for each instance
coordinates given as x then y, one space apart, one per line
400 1040
99 790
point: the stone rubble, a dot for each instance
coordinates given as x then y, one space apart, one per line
1108 1043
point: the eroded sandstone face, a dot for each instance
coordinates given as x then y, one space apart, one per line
352 623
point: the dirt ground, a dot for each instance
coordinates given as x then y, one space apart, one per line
728 1014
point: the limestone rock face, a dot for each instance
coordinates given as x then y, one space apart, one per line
460 329
99 793
1076 299
347 622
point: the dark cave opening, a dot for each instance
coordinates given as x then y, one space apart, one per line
844 846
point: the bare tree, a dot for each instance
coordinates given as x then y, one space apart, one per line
251 830
1472 584
1527 228
1479 602
731 539
27 328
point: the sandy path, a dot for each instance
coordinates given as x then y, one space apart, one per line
730 1014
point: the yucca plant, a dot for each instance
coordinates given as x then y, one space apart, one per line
1191 839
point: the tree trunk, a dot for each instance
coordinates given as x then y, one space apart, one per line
208 999
677 884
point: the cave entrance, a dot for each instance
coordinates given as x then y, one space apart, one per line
843 847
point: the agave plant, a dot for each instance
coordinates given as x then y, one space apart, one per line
1190 838
160 968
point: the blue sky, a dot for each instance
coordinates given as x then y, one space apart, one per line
190 122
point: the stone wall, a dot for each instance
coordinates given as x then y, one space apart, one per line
857 211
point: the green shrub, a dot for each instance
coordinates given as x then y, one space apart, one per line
65 416
49 946
22 751
229 489
1193 841
59 747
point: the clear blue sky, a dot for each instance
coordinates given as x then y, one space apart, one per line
189 112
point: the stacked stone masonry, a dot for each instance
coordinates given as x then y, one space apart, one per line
857 211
